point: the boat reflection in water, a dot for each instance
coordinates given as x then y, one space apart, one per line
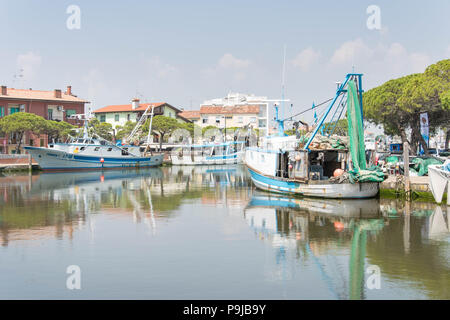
208 226
306 226
60 203
348 240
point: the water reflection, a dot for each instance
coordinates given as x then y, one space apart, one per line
342 237
49 204
329 243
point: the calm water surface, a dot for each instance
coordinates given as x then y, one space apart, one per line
206 233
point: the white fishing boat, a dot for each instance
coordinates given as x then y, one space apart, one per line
93 152
286 164
230 152
439 176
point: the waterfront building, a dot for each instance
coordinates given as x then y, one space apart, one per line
118 115
51 105
234 110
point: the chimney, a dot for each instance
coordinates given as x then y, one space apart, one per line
135 103
57 93
69 90
4 91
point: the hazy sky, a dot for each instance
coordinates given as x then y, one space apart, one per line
184 52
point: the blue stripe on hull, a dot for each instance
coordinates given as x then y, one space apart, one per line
272 184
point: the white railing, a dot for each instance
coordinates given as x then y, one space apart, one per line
14 156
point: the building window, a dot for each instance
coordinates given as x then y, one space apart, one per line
240 119
253 119
70 112
205 120
42 143
128 117
117 117
102 118
50 114
217 120
13 110
170 114
2 111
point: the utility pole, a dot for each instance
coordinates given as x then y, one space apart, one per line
406 170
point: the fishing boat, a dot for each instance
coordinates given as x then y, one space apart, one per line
439 176
229 152
93 152
292 165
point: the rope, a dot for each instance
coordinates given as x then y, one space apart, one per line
302 112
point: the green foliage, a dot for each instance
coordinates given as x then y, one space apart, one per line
103 129
397 104
162 126
189 126
208 128
21 122
57 130
340 128
123 132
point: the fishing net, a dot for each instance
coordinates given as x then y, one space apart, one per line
392 159
421 165
360 172
355 128
321 142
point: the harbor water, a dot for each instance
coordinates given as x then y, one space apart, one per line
185 232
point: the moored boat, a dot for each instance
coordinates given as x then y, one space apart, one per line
439 176
94 152
288 164
230 152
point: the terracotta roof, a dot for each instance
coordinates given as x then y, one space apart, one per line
12 93
229 110
190 114
127 107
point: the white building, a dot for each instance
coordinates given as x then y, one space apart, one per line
234 110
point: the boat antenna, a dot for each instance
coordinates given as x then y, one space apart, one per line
277 118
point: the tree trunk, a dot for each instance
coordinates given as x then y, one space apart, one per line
422 141
20 143
161 136
403 135
447 139
414 142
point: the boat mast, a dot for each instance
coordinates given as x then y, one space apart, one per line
150 128
340 90
277 118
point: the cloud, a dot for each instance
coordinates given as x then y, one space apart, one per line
229 61
393 58
159 68
306 58
351 50
229 67
28 64
397 58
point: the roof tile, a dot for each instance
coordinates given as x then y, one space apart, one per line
12 93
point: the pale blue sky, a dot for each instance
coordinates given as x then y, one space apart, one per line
184 52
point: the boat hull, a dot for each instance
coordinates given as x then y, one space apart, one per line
439 179
219 160
50 159
316 189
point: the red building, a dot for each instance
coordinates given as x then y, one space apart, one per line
51 105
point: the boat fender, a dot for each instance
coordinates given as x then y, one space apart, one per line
102 160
